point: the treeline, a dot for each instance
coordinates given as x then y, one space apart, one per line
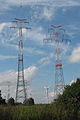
11 101
65 107
68 104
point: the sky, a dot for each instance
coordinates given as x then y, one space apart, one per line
39 59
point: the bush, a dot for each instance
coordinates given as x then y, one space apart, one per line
11 101
2 101
29 101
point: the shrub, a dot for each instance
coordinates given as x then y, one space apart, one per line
29 101
11 101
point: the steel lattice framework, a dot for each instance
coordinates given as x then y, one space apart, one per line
8 96
21 94
57 35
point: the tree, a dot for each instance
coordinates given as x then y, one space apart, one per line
11 101
2 101
29 101
69 101
71 94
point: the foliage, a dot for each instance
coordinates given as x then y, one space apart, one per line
66 107
11 101
29 101
2 101
37 112
71 95
69 101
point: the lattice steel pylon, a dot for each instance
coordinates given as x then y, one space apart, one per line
57 35
21 94
47 93
8 96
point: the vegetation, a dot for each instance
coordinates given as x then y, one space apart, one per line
2 101
11 101
29 101
65 107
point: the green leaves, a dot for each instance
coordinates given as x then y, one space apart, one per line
11 101
29 101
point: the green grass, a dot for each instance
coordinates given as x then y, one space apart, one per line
35 112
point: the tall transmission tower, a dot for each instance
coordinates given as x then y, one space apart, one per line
21 94
47 93
57 35
8 96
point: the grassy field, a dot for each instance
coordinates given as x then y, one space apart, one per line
36 112
65 107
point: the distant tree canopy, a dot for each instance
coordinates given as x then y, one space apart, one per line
71 95
2 101
29 101
11 101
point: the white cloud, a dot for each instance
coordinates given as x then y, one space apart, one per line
43 12
7 57
6 33
45 60
64 48
43 2
72 30
5 5
75 56
70 33
73 27
48 13
73 81
9 45
11 76
33 51
30 72
9 40
2 26
5 24
52 94
36 34
27 50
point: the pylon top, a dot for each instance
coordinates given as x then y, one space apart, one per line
56 26
20 20
58 32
